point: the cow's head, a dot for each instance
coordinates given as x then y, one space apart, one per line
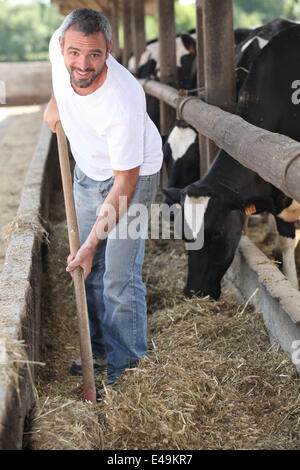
223 212
181 157
186 63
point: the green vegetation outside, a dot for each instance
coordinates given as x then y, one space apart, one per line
26 28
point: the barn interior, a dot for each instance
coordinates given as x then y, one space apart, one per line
219 374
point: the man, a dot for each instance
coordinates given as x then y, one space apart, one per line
118 154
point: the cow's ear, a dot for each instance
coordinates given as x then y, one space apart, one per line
248 205
189 43
230 198
174 194
258 204
252 205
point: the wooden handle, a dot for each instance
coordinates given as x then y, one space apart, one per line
80 295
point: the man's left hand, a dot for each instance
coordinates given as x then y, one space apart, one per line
83 258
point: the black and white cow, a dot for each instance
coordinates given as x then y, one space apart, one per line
181 149
269 99
240 34
181 156
253 43
149 64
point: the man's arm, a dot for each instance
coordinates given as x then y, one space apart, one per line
51 114
112 210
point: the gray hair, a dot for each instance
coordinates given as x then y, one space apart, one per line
87 21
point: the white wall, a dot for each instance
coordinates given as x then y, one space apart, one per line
25 82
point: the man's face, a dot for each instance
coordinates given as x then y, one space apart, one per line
85 58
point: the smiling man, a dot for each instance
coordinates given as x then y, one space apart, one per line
118 154
86 70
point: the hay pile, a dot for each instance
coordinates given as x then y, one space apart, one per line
12 358
63 424
59 332
212 379
29 222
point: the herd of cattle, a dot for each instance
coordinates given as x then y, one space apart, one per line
267 63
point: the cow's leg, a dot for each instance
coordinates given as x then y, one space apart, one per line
271 228
251 221
255 219
246 225
286 231
273 232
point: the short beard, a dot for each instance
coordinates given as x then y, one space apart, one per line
85 83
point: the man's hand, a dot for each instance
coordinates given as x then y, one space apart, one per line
51 114
124 185
83 258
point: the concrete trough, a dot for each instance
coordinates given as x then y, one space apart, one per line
257 278
20 293
21 289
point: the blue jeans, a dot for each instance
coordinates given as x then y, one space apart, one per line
114 289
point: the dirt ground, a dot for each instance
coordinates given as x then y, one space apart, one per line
19 132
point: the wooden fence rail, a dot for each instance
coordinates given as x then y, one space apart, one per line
275 157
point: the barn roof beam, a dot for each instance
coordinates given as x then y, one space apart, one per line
66 6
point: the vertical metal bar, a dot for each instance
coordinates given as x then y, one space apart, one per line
167 58
219 73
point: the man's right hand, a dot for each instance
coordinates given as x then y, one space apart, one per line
51 114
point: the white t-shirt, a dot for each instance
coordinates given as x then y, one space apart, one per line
108 129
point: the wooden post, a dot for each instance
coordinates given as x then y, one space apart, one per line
127 48
138 29
204 163
219 73
115 28
200 52
167 59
